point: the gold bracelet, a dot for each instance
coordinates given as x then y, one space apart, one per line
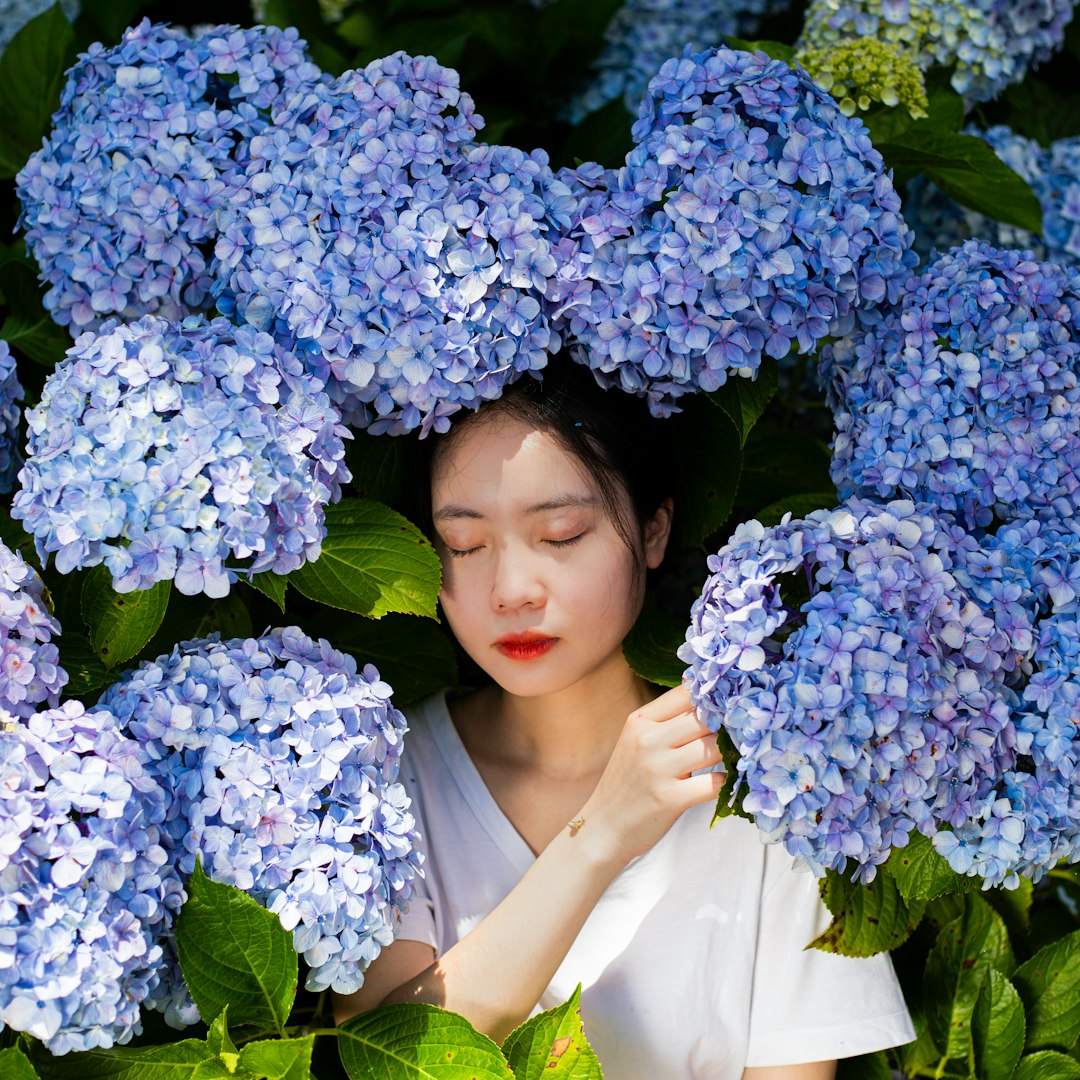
575 824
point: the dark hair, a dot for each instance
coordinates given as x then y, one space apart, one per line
612 434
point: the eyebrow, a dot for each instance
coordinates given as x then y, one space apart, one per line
453 511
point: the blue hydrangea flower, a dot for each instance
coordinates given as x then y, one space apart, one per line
752 218
11 394
30 671
281 761
966 394
861 661
408 266
644 33
150 141
1054 175
168 449
15 14
85 887
988 44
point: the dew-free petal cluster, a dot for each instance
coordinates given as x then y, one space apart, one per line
30 673
281 762
966 395
752 218
1054 175
407 265
150 141
862 661
987 44
85 887
191 451
11 395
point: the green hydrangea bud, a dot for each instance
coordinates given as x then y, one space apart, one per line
862 72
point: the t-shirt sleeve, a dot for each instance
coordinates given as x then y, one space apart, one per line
808 1005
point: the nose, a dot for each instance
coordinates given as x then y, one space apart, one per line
517 581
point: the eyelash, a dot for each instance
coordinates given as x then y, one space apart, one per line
460 553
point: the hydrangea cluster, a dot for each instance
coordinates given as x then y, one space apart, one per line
966 395
863 71
988 44
150 141
280 760
408 265
1054 175
752 217
30 671
11 394
645 33
164 449
15 14
85 889
874 705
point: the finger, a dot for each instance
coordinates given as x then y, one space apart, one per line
667 705
698 754
682 729
705 787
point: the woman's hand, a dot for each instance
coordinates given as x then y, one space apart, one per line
647 783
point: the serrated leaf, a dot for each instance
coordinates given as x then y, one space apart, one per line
650 646
269 584
15 1065
552 1045
729 802
418 1042
955 969
28 327
415 656
218 1038
967 169
192 617
744 400
1049 984
923 874
234 952
373 561
1014 906
31 74
778 464
279 1059
997 1028
86 670
867 919
1047 1065
377 464
176 1061
120 624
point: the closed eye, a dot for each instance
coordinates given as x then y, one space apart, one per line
565 543
459 553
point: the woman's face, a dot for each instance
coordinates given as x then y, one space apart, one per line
538 586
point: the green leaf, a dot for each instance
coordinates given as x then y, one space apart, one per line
373 561
796 505
192 617
778 464
727 802
86 670
120 624
867 919
997 1028
1047 1065
270 584
745 400
176 1061
864 1067
955 970
413 655
15 1065
220 1042
708 465
1014 907
28 327
279 1059
922 874
552 1046
378 467
31 75
1049 984
650 646
777 50
417 1042
602 136
14 536
967 169
234 952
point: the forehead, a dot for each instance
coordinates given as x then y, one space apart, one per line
504 463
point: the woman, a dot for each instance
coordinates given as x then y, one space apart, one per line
565 807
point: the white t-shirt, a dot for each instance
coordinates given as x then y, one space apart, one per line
692 963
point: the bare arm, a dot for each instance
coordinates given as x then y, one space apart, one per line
815 1070
496 974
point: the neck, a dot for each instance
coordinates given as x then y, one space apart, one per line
569 734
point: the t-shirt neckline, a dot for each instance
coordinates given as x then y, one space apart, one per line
475 792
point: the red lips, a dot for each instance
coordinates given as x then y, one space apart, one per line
528 645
